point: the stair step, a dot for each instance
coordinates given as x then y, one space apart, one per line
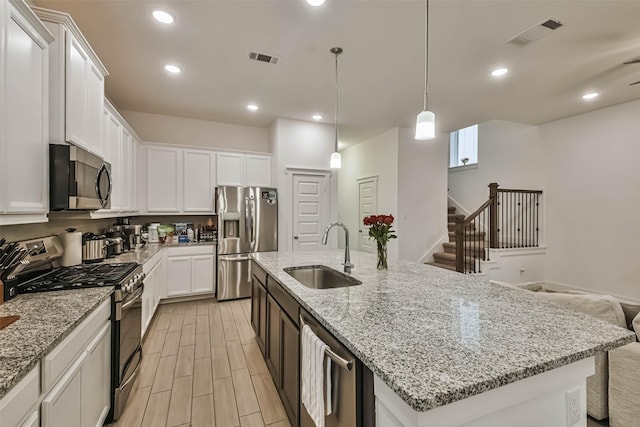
446 258
451 209
451 226
435 264
453 217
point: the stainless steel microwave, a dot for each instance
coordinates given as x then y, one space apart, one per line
78 180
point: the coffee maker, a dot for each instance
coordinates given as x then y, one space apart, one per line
134 236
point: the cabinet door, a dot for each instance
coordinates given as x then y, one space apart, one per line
77 63
272 353
198 181
62 406
33 420
290 367
179 276
96 381
202 269
25 167
133 185
114 150
229 169
261 337
147 298
163 184
258 170
95 108
126 173
255 305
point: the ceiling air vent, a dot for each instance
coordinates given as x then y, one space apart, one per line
536 32
263 57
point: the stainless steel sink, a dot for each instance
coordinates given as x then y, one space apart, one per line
321 277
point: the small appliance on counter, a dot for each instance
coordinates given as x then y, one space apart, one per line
154 237
72 245
94 248
136 242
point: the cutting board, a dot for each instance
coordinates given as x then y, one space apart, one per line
7 320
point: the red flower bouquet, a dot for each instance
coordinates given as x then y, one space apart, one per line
380 230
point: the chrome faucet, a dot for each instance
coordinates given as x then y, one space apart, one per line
347 257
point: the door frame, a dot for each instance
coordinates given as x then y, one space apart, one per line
290 172
373 178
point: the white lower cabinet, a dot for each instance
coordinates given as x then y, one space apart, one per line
33 420
154 270
96 379
62 406
21 403
190 270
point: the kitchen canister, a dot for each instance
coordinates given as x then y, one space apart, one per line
72 245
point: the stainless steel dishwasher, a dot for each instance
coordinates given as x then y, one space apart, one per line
352 383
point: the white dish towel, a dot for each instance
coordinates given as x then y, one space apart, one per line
316 370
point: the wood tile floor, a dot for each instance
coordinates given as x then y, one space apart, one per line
202 367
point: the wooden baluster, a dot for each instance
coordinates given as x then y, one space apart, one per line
459 230
493 215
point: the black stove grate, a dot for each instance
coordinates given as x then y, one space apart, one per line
79 276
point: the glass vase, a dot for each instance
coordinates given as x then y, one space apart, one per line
382 256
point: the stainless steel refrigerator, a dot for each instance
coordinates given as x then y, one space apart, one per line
247 223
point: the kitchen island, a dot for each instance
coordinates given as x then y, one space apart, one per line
447 349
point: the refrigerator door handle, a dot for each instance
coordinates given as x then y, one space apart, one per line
233 258
252 219
247 226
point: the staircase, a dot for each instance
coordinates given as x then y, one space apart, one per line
476 241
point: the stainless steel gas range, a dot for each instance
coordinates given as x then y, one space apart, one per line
41 275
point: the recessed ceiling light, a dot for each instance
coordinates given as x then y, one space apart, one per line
163 17
499 72
315 2
316 117
173 69
252 107
590 95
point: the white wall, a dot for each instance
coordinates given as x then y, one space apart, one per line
302 145
201 133
508 153
377 156
592 196
422 194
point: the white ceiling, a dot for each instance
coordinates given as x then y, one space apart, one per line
381 69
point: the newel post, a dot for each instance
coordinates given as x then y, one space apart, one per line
493 215
459 235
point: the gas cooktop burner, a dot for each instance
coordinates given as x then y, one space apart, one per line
80 276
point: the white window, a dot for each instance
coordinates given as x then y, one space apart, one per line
463 147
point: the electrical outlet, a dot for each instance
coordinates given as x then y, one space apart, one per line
573 406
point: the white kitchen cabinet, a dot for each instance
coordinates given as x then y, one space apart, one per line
33 420
62 406
126 173
22 400
230 169
96 379
190 270
153 288
24 115
76 91
199 182
114 156
179 276
164 179
258 170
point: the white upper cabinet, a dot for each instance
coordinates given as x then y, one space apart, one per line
258 170
230 169
164 179
199 181
113 148
76 85
24 115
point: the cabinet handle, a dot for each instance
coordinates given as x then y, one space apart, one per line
295 237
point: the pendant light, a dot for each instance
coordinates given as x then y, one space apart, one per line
336 158
426 120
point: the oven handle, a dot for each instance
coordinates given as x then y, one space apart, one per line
133 300
134 374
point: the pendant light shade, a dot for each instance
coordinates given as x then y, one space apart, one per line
336 161
426 126
336 158
426 120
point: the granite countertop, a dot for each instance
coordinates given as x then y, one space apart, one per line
435 336
45 320
147 252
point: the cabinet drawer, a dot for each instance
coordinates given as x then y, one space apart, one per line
151 263
20 400
191 250
257 271
56 363
286 301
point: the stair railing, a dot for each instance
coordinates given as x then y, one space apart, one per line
508 219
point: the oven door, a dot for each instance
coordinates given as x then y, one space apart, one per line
130 349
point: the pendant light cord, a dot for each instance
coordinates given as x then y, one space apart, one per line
426 54
336 116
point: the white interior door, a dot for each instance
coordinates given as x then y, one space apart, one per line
368 205
311 200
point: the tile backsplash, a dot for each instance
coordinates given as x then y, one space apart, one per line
58 223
